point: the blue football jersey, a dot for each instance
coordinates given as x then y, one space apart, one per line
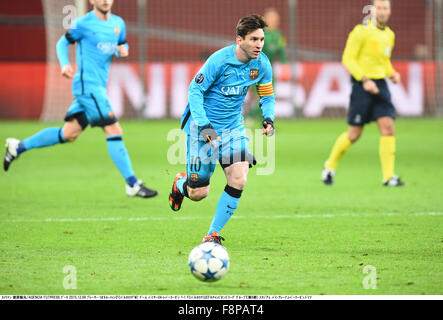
217 92
97 43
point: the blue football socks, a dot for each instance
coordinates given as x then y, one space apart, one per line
225 208
44 138
180 184
120 157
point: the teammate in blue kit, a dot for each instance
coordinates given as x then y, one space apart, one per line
214 123
100 35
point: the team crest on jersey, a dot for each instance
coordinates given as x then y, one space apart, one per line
194 177
253 74
117 31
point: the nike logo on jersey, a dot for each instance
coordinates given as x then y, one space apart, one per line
227 74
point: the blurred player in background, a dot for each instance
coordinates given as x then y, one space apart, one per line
100 35
275 44
367 56
274 48
214 123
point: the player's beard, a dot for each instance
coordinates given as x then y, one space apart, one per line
247 53
104 12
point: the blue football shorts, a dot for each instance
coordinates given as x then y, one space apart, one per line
202 157
93 109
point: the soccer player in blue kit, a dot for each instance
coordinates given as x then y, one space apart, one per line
100 35
214 123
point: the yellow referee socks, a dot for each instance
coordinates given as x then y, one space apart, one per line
340 147
387 156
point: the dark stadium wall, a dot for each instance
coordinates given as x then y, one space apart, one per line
22 59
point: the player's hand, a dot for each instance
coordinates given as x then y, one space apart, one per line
370 86
68 72
395 77
209 134
123 51
268 127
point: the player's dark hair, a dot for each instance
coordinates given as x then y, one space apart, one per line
250 23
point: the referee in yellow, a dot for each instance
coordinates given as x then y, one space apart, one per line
367 57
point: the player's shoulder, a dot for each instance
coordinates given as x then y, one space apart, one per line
362 27
263 60
390 31
223 54
117 18
81 21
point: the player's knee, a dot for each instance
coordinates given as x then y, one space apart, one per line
113 129
388 131
238 181
198 194
354 136
71 136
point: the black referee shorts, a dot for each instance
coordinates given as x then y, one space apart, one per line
366 107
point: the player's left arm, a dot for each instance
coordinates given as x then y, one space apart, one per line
390 71
267 98
122 45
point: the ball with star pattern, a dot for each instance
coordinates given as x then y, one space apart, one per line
209 261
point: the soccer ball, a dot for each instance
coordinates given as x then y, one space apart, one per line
209 261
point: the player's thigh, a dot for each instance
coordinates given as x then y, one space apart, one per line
360 106
98 109
384 111
234 149
75 121
200 162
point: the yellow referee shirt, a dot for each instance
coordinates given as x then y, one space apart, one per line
368 52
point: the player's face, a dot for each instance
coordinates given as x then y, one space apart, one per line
272 19
252 44
382 11
104 6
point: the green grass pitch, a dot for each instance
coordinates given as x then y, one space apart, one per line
291 235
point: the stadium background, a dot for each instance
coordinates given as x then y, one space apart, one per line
170 39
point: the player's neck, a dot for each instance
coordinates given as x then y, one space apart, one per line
102 15
380 25
241 55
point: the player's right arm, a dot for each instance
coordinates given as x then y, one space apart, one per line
201 83
350 59
72 35
352 51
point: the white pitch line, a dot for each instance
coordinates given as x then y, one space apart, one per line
295 216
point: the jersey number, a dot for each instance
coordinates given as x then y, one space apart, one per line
196 164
